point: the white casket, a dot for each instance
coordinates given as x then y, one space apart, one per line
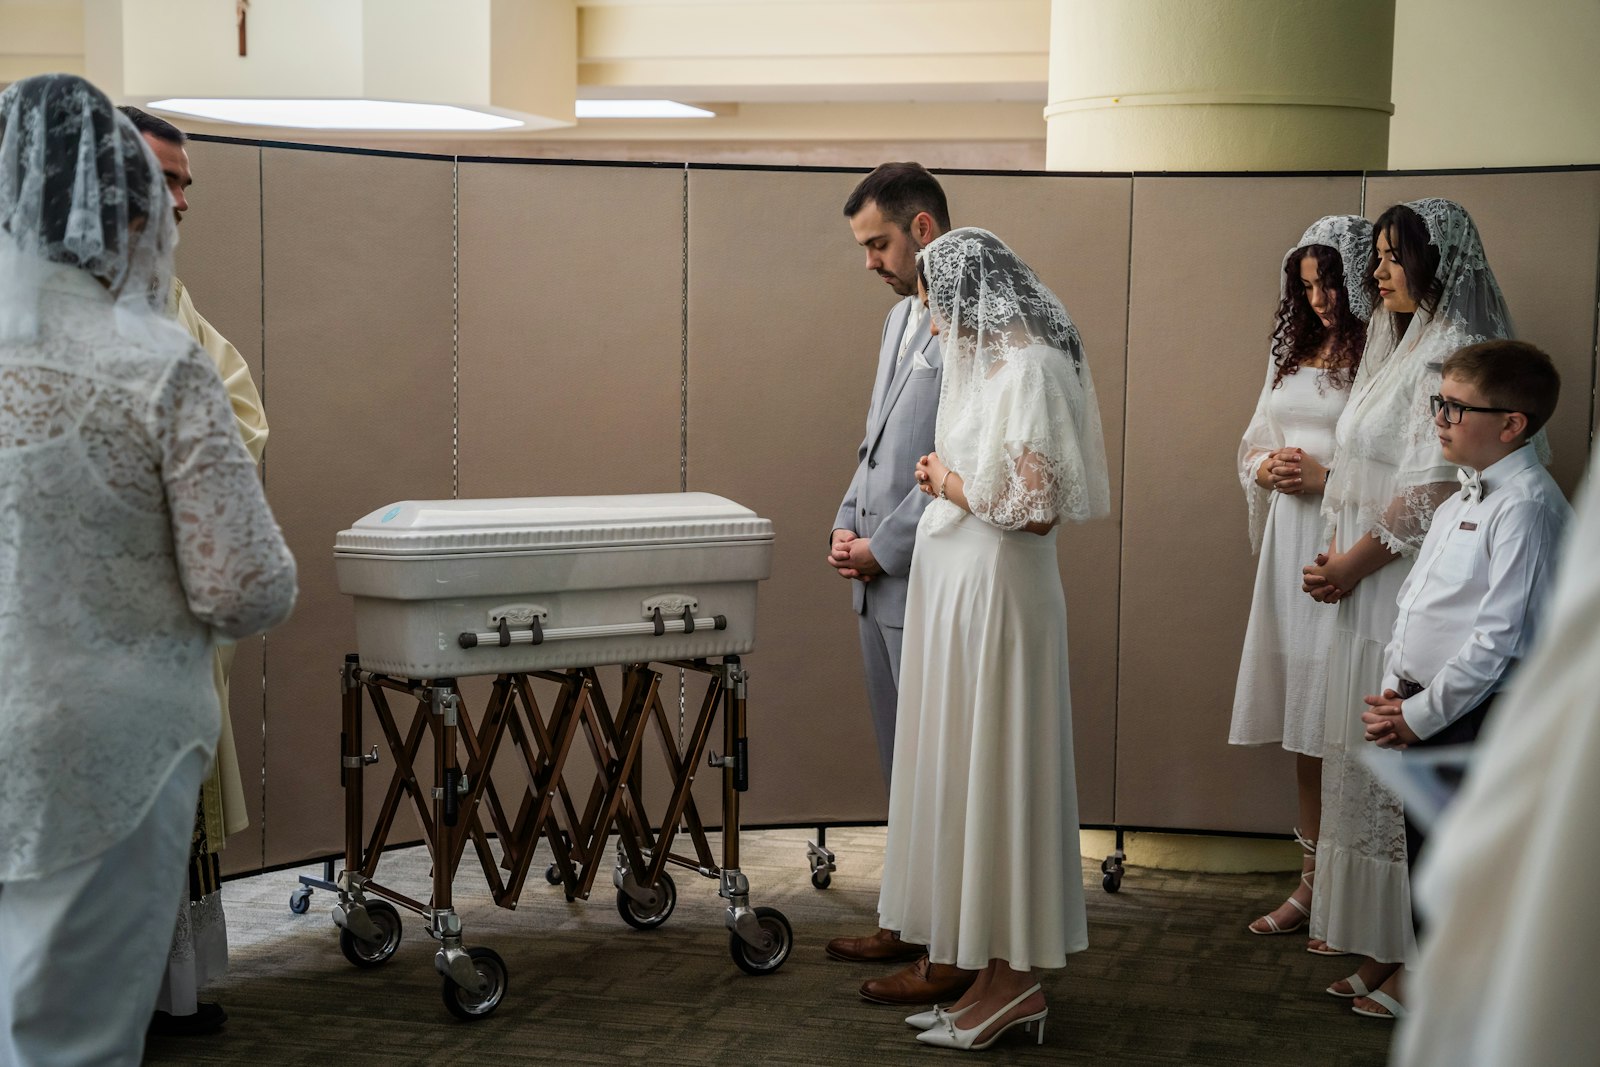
445 588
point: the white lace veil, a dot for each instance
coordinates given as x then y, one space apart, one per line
1351 237
79 188
1388 465
1018 418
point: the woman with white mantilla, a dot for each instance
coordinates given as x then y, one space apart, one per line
981 861
1436 295
1283 465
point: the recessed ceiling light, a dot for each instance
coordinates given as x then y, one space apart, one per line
640 109
337 114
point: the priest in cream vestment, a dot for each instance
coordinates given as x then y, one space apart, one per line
200 944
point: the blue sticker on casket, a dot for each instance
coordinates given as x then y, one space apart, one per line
391 513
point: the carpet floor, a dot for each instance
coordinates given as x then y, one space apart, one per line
1171 977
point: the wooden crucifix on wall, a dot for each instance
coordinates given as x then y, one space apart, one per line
242 13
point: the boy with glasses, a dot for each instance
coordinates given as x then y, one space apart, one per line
1470 607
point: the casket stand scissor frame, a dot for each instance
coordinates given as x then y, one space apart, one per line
465 804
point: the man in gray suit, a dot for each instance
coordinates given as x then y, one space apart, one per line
896 210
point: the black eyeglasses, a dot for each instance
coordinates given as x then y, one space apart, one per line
1453 410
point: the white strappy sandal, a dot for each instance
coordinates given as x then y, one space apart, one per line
1393 1009
1309 847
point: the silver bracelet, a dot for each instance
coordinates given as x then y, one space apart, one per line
946 478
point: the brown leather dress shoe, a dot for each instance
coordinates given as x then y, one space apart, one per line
923 982
884 946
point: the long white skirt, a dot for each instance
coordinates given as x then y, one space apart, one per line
1362 898
982 860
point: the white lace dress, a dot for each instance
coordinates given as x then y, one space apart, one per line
1283 671
981 860
134 526
1362 899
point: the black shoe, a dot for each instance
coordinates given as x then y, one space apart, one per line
207 1019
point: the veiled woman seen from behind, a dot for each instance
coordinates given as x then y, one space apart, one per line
132 528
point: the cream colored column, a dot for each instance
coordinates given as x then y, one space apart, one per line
1219 85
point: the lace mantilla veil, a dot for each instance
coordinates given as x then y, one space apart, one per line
1351 237
1018 418
79 188
1388 465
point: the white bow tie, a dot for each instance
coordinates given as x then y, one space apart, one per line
1471 485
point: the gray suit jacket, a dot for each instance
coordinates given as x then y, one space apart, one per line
883 501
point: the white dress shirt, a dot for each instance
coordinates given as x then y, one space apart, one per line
913 319
1471 604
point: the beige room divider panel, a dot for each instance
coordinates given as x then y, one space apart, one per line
571 339
358 290
570 351
1541 232
784 325
219 260
1207 256
1073 232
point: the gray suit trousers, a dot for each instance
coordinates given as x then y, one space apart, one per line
880 653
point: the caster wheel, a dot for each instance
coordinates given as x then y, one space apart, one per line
300 900
752 960
1112 881
640 916
370 953
821 879
552 875
470 1005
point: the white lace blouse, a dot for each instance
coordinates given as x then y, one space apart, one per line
132 526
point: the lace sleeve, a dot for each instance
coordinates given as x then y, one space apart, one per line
1040 456
1260 438
1424 478
236 569
1403 527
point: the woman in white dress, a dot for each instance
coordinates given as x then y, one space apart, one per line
132 528
1283 458
1437 294
981 861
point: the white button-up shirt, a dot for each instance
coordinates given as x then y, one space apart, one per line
1471 604
913 320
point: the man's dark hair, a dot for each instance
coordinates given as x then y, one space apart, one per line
160 129
901 191
1511 374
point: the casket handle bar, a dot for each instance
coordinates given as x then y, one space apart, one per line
658 626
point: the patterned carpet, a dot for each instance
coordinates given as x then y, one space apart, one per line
1170 978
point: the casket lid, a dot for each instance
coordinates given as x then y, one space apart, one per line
550 523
